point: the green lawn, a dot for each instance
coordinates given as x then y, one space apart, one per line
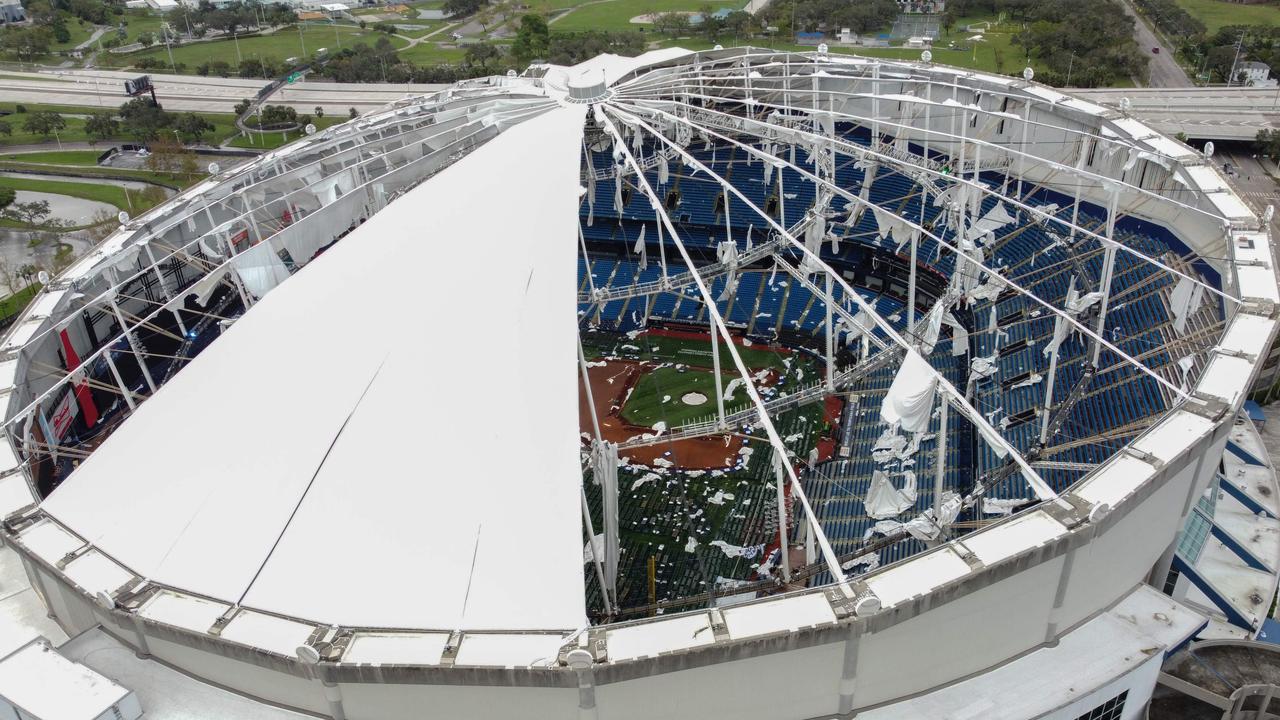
106 172
1216 13
272 140
617 14
279 45
15 303
138 23
56 157
110 194
983 57
431 53
648 403
224 127
79 31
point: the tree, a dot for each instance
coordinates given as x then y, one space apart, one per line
43 123
482 56
1268 143
147 39
5 128
192 126
461 8
533 39
241 106
166 156
7 196
101 126
319 112
671 24
351 113
28 213
143 119
24 43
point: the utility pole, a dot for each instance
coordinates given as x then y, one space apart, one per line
1239 42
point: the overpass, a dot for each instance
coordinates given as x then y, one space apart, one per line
1203 113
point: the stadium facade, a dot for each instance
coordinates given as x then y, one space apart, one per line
312 429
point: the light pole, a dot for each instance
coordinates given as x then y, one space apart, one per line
302 42
1071 64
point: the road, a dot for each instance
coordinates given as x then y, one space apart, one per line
1163 70
192 93
1210 113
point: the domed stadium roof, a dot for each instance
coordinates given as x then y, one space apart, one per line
990 297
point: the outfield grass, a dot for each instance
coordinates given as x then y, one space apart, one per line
64 157
616 14
1215 14
282 44
695 352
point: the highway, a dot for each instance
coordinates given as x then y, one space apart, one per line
1206 113
192 93
1209 113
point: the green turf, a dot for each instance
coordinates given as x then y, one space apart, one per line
282 44
1216 14
224 126
104 172
656 397
14 304
272 140
617 14
432 53
65 157
79 33
110 194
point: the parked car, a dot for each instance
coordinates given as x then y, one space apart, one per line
1155 50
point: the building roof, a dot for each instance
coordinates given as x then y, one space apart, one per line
337 453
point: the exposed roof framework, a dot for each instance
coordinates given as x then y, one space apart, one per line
769 108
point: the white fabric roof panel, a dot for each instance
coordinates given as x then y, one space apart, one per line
356 450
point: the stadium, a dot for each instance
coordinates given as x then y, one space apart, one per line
734 383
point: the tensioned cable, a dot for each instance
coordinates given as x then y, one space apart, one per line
1032 477
950 138
844 68
858 150
774 439
915 226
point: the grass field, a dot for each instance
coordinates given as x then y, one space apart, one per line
689 351
79 31
14 304
224 126
1217 13
271 140
983 57
657 397
430 53
55 157
279 45
617 14
109 194
181 181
